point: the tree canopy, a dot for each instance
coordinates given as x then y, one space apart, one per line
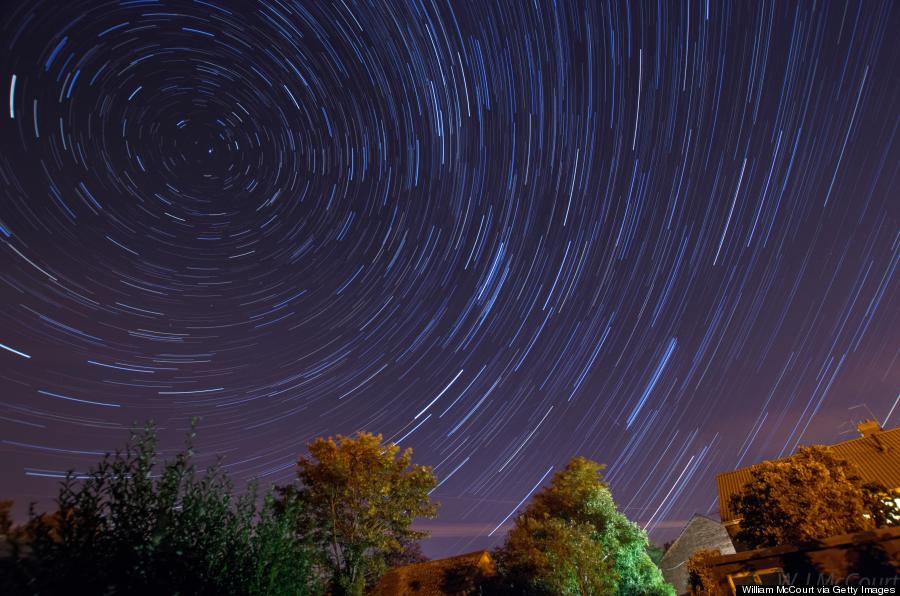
812 495
572 540
359 497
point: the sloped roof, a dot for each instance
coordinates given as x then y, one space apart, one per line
877 456
453 575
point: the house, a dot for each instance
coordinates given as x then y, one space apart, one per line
859 558
701 532
876 453
455 576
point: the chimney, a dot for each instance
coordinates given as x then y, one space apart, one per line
867 428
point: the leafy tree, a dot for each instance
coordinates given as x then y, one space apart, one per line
572 539
812 495
359 497
133 525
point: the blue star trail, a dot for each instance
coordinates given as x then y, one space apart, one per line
664 236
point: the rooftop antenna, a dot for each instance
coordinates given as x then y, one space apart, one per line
851 425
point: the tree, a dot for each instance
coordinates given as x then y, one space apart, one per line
812 495
572 539
133 525
359 497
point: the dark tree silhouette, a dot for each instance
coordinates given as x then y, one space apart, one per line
134 525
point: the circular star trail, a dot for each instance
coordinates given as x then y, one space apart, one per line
660 235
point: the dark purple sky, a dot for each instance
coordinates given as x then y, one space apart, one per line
664 236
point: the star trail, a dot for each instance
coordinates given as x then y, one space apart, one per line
662 235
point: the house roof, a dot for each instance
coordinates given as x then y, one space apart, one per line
877 456
701 527
433 578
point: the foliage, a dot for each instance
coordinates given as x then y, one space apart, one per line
656 552
550 555
410 553
282 560
573 540
359 497
465 578
812 495
883 504
133 525
700 577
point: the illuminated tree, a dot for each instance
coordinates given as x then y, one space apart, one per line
572 540
359 497
812 495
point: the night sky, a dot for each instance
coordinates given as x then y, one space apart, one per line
661 235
